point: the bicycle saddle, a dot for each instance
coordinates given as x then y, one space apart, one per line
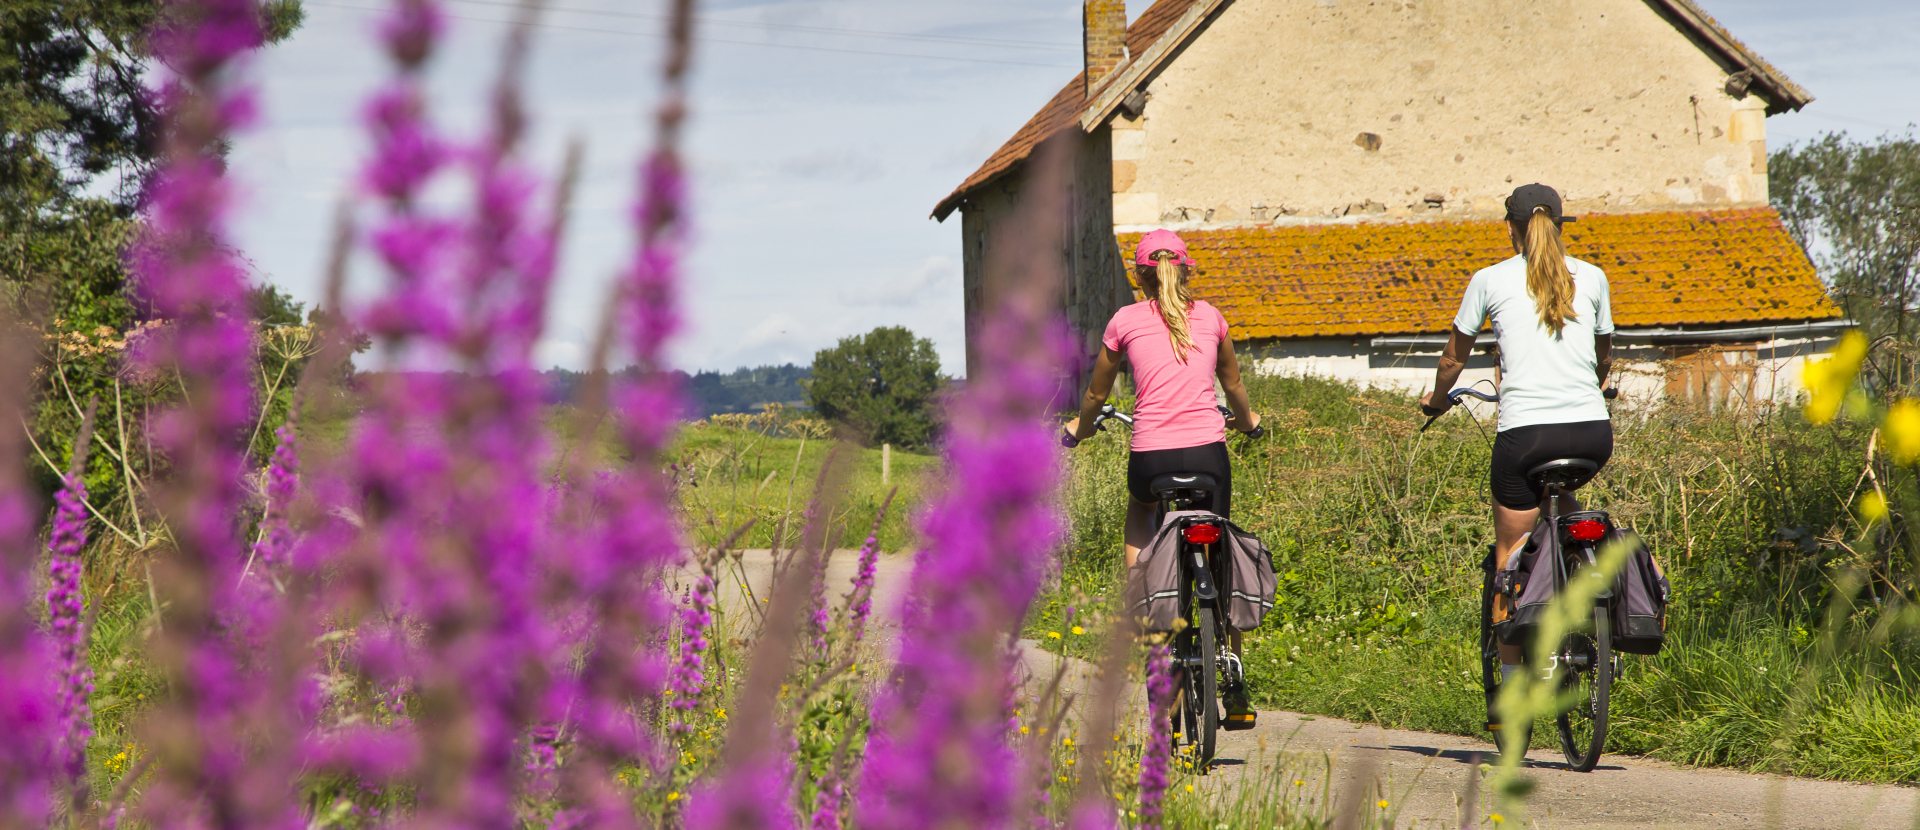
1567 473
1183 486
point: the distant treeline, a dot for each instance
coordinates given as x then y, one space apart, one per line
747 389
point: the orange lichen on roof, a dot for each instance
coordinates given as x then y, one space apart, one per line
1063 112
1705 268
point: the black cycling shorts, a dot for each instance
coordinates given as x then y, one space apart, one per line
1523 448
1144 467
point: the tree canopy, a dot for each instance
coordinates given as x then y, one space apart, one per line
1855 206
881 385
78 135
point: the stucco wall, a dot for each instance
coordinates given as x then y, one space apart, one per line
1640 368
1260 118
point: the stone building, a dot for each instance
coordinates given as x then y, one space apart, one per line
1339 167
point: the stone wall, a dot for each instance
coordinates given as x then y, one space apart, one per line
1347 110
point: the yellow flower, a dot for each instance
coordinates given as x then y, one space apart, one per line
1024 729
1903 431
1873 507
1063 779
1382 804
1189 788
1496 818
673 796
1077 630
1053 635
720 713
1299 783
1828 381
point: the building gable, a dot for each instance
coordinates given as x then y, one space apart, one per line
1073 107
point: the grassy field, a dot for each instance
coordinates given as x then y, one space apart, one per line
1377 530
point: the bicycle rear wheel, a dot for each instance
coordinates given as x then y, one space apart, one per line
1201 688
1588 679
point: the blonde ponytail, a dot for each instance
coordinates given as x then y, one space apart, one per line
1548 280
1166 285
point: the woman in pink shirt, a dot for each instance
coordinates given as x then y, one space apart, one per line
1177 346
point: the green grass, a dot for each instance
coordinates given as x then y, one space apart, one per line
1377 530
727 477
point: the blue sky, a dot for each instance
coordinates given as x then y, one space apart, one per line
824 132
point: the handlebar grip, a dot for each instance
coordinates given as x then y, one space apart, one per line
1610 393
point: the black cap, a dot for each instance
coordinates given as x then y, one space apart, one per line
1531 197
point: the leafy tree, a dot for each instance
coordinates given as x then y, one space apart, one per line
1856 207
881 385
78 135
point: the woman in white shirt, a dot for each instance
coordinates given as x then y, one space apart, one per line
1554 322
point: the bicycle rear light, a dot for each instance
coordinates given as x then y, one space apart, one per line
1587 530
1202 534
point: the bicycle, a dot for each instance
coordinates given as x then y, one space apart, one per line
1583 664
1201 655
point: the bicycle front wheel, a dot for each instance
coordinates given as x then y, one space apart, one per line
1587 678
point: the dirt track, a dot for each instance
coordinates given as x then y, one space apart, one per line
1424 777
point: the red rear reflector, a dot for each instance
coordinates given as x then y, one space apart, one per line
1203 534
1587 530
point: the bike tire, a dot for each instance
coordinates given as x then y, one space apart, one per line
1583 731
1203 691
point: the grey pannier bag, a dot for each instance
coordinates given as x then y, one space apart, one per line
1250 579
1153 585
1640 600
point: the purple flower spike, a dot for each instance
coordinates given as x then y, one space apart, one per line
1156 760
940 744
67 613
276 532
687 679
29 716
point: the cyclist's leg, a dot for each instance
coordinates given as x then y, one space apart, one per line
1510 530
1516 509
1139 528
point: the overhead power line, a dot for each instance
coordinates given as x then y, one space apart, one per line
708 39
792 27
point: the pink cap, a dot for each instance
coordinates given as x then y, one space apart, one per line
1161 240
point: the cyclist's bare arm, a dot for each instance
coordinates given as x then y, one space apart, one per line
1228 370
1106 367
1453 361
1603 354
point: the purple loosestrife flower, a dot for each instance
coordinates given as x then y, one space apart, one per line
29 716
226 741
276 529
828 803
66 610
940 744
1156 760
687 680
860 597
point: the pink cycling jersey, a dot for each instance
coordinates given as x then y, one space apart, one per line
1175 406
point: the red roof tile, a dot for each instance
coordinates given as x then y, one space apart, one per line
1664 269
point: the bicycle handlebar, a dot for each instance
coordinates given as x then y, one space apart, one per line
1609 393
1108 413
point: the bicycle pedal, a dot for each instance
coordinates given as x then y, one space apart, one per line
1236 723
